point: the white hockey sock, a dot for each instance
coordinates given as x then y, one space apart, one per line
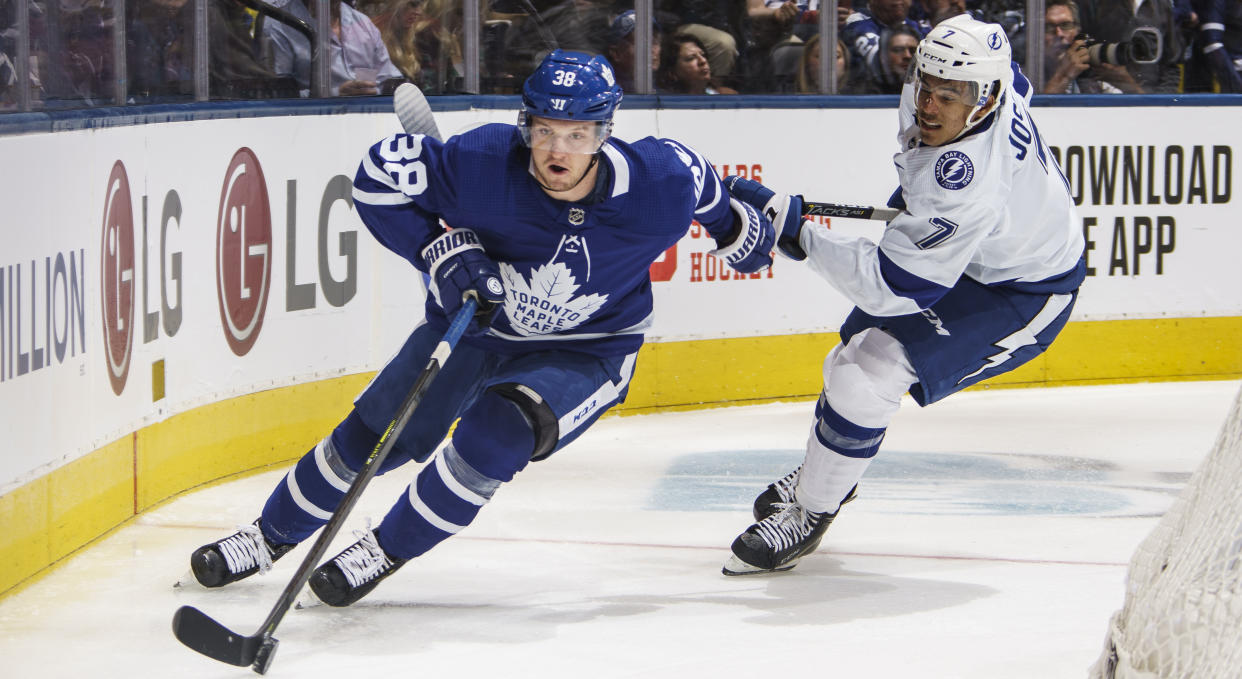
827 477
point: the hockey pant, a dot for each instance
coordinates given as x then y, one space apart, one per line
973 333
512 410
864 381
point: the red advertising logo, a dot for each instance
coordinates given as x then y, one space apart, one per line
243 251
117 273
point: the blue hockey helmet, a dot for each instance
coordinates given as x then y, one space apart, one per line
571 86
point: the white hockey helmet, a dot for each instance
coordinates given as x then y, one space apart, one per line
964 49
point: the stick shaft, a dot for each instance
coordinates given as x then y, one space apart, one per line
371 466
814 209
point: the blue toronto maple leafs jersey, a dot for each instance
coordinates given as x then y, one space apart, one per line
576 274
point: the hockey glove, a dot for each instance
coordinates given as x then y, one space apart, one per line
785 212
458 267
748 247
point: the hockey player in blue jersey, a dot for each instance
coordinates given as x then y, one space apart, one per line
554 225
975 276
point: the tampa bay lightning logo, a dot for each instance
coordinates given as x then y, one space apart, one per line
995 41
954 170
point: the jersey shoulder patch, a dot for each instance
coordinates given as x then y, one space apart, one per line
954 170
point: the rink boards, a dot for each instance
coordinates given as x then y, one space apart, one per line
181 301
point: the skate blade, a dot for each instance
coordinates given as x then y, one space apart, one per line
735 566
308 600
187 581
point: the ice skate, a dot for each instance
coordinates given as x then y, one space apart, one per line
779 541
238 556
778 494
353 573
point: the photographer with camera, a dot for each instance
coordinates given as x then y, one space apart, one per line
1146 38
1068 64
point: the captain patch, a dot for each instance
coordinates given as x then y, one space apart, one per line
954 170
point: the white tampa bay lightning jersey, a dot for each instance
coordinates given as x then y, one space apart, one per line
993 206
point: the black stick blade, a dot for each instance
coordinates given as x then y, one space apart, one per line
201 633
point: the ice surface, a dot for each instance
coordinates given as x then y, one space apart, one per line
989 540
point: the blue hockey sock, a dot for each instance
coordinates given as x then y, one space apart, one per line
306 497
492 442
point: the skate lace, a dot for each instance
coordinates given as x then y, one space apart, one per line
787 527
364 559
786 484
246 549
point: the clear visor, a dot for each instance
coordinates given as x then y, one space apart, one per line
564 136
945 92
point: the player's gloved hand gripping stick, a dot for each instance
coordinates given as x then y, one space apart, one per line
458 267
786 211
204 634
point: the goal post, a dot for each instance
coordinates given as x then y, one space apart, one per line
1182 616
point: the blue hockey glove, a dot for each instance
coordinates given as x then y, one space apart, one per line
749 246
458 267
783 210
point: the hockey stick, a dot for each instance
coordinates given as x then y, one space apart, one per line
414 112
811 209
201 633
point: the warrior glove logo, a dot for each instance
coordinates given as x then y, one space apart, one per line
954 170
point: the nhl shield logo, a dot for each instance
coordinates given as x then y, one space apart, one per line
576 216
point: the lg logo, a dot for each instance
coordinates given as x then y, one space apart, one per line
243 251
117 277
136 272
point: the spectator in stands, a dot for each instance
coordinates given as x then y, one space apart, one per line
684 68
1216 64
86 56
716 25
420 42
620 51
885 71
936 11
862 29
357 56
1115 21
807 80
1067 69
158 49
236 69
159 43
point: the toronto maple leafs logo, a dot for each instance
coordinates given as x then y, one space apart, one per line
545 303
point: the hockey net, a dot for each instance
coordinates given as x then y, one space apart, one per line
1182 615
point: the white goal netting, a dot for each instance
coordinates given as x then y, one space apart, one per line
1182 615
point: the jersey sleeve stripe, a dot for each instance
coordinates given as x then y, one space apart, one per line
374 172
905 284
372 198
620 170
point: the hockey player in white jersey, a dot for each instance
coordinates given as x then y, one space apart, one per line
975 276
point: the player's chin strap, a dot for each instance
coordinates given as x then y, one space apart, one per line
979 114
